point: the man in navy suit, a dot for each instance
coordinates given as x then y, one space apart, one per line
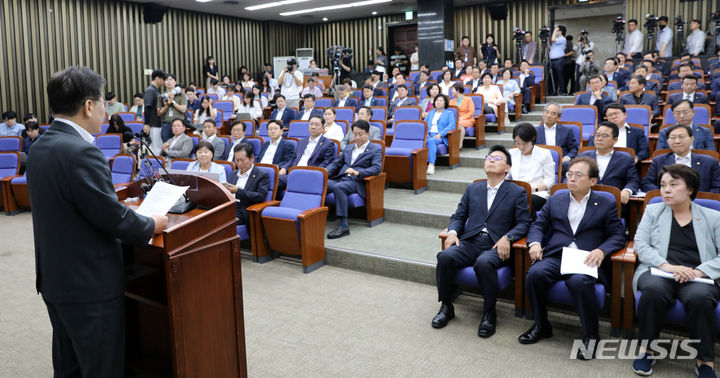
631 137
681 138
638 96
476 81
277 150
550 133
683 112
615 168
612 72
527 80
361 159
579 219
421 82
309 108
248 183
689 85
282 113
596 97
401 100
647 85
313 151
368 99
490 216
343 99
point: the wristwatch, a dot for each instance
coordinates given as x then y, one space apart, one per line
509 238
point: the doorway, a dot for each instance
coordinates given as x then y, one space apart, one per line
403 35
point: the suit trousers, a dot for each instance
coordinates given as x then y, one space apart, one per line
88 338
166 132
526 93
558 69
431 143
699 299
545 273
342 187
476 252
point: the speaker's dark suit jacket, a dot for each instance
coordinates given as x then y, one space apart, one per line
706 166
620 172
323 154
255 191
564 137
78 222
635 139
287 116
508 214
283 154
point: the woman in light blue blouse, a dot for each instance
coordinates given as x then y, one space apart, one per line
204 152
510 86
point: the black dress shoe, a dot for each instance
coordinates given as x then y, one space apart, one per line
446 313
487 324
525 109
535 334
338 233
588 345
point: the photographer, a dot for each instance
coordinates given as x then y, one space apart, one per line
587 69
582 47
664 38
290 82
171 106
399 60
696 39
557 61
633 40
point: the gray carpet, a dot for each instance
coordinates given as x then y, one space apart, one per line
330 323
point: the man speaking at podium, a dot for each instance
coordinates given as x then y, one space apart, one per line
78 225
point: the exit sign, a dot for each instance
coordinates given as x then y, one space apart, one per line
409 15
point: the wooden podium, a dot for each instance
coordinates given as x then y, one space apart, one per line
184 310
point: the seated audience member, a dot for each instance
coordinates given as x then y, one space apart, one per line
10 127
215 89
446 83
647 85
209 134
527 80
553 134
237 136
368 97
689 85
331 130
365 114
32 129
508 65
578 219
349 83
180 145
398 82
467 74
490 216
427 104
421 82
230 96
138 106
639 97
459 69
609 90
628 136
402 99
205 111
204 152
117 126
492 97
679 237
277 150
311 89
345 174
475 81
595 97
466 110
309 109
248 183
510 87
684 111
282 113
533 164
113 106
652 75
613 73
312 151
440 122
495 72
251 106
683 70
681 138
615 168
257 91
343 98
247 81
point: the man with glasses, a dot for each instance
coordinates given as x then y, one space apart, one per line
582 219
639 94
313 150
628 136
689 87
681 138
683 112
553 134
490 216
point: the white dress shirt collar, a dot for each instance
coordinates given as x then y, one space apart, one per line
83 133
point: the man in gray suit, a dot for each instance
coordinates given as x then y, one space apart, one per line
210 135
401 100
180 145
78 226
529 48
365 114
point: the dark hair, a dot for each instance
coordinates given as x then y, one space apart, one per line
367 109
368 86
429 87
525 60
381 50
275 121
139 95
485 74
157 73
611 125
696 21
116 122
330 108
593 170
640 79
211 121
237 122
205 144
616 105
247 147
526 131
402 86
10 114
207 111
458 87
675 127
593 77
444 98
68 90
528 32
632 20
250 95
109 96
689 77
213 82
32 125
685 64
675 105
563 30
684 53
310 96
364 125
490 35
322 120
502 149
682 172
663 18
280 95
171 75
621 53
465 37
29 116
615 62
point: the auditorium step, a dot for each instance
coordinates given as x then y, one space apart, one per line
427 209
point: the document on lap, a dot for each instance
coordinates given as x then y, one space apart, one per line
661 273
161 199
573 262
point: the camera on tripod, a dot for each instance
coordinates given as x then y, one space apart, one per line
518 34
618 25
544 33
336 54
715 16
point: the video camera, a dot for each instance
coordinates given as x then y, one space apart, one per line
518 34
651 22
336 54
618 25
544 33
715 17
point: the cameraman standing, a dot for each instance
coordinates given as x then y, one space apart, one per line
587 69
664 38
291 81
583 46
345 64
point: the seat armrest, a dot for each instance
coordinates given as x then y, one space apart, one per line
259 207
520 244
625 255
307 214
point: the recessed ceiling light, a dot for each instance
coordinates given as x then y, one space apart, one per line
374 12
202 1
333 7
324 18
273 4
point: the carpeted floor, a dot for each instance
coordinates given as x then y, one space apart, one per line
333 322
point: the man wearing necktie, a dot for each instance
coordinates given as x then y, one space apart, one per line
689 85
684 112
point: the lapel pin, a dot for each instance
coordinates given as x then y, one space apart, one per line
595 203
698 163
